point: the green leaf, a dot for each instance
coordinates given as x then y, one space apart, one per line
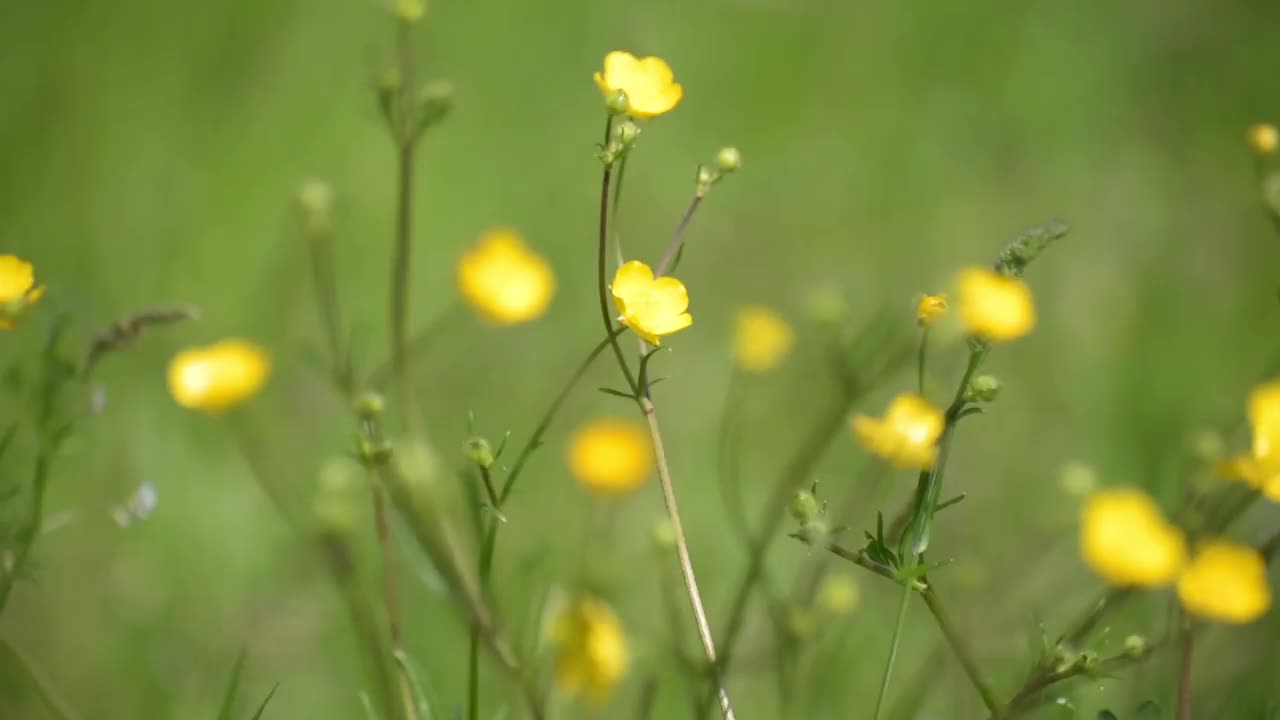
618 393
267 699
233 686
420 696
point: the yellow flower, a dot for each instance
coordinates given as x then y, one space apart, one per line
995 306
218 377
592 650
762 338
1226 582
930 308
1263 138
504 280
838 594
648 83
1261 467
611 456
907 435
1127 541
651 307
18 289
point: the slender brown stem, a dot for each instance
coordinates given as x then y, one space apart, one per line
682 553
390 595
1184 675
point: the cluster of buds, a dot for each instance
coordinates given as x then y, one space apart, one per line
728 160
811 514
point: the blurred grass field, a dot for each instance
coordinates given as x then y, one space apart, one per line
151 151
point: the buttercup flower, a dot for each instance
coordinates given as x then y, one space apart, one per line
995 306
1263 138
648 83
1261 466
592 650
218 377
611 456
18 289
762 338
651 307
1226 582
504 280
1127 541
907 436
930 308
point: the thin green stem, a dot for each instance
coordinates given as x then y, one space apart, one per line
535 440
677 238
390 595
602 286
727 460
960 648
30 528
922 357
893 650
320 245
56 706
406 141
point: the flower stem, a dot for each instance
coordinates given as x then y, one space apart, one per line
922 356
893 650
30 529
677 238
960 648
1184 675
682 553
390 595
406 149
601 266
535 440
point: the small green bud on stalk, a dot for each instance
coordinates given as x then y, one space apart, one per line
983 388
625 133
616 103
1135 646
409 11
480 452
315 202
805 508
370 406
728 160
434 103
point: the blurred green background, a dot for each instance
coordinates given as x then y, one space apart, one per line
150 152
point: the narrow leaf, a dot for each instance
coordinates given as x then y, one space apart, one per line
267 699
233 687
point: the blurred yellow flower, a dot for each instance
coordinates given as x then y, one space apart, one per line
648 83
995 306
1127 541
907 435
1261 466
651 307
218 377
591 650
611 456
762 338
930 308
18 289
504 280
1226 582
1263 138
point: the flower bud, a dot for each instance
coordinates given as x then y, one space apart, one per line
664 535
625 133
315 202
706 177
373 452
435 101
616 102
728 159
1135 646
336 506
410 11
805 507
480 452
369 406
930 308
983 388
1263 138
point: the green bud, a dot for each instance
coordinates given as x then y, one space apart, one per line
1135 646
983 388
728 159
815 532
374 452
625 133
616 102
664 535
315 202
435 101
409 11
337 505
480 452
706 178
805 507
369 406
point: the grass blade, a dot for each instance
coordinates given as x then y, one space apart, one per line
233 687
267 699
